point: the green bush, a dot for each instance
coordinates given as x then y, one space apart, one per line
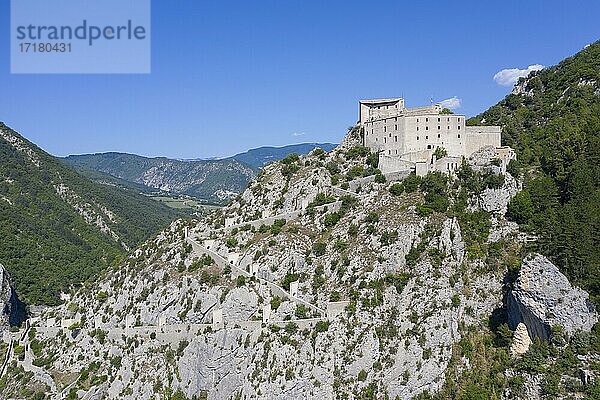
290 158
319 248
240 281
397 189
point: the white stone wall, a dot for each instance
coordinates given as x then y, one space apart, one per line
481 136
375 109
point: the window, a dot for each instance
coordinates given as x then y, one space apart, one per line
390 135
395 127
417 119
417 138
417 128
396 139
439 127
439 119
396 118
448 126
385 128
426 119
428 147
426 137
390 152
459 127
384 140
426 128
459 135
438 135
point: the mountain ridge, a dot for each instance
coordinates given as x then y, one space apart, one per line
212 180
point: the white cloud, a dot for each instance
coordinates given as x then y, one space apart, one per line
510 76
298 133
452 103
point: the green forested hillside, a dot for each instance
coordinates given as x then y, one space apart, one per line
52 221
554 125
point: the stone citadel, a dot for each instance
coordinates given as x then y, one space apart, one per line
423 138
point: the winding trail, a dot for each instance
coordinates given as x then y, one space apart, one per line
222 262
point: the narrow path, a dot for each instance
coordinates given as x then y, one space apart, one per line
9 353
222 262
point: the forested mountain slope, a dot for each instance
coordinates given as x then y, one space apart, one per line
57 228
552 119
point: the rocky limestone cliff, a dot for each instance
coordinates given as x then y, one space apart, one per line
316 282
13 311
542 297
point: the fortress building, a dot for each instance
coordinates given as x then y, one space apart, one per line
407 138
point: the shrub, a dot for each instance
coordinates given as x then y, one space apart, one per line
290 158
333 168
372 218
240 281
321 199
362 375
291 327
231 242
440 152
289 169
355 171
455 300
379 178
357 151
396 189
322 326
411 183
373 160
301 311
289 278
278 224
276 301
331 219
319 248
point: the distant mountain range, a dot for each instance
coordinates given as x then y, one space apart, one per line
211 181
261 156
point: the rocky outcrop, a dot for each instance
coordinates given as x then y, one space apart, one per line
542 297
521 340
496 200
13 311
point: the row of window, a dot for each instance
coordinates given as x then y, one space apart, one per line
440 119
426 119
396 138
439 137
427 128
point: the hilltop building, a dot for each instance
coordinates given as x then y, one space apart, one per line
407 138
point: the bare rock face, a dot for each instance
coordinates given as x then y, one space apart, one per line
13 312
521 340
542 297
496 200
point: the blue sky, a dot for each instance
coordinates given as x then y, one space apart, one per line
232 75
